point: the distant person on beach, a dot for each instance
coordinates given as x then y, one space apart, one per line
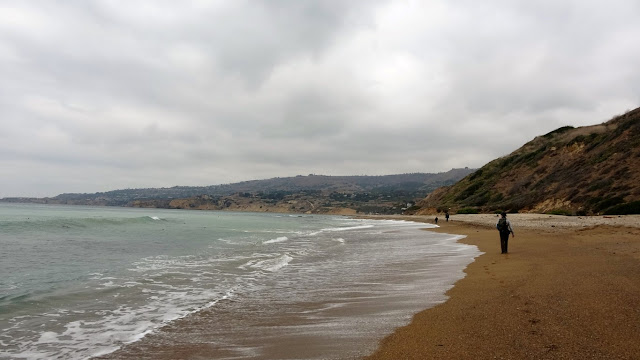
504 227
436 219
446 216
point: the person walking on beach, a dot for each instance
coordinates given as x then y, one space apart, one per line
504 227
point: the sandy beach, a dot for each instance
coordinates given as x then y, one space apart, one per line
568 289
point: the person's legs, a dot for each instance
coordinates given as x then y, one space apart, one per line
504 240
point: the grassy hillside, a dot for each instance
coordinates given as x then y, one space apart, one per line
586 170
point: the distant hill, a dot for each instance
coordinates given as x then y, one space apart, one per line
313 193
585 170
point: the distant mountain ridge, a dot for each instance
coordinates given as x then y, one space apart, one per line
276 194
581 171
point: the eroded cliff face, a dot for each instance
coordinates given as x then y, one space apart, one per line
586 170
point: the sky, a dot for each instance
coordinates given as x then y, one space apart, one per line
105 95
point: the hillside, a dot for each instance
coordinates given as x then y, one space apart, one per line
586 170
312 193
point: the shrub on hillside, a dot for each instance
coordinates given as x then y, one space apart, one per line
558 131
562 212
468 211
624 209
609 203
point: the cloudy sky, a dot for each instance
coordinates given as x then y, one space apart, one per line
104 95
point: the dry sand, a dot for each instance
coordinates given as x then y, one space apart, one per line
568 289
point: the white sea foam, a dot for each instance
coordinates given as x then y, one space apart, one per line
276 240
108 284
123 325
337 229
162 264
271 265
228 295
226 241
48 337
357 227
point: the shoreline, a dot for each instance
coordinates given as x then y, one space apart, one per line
342 319
569 288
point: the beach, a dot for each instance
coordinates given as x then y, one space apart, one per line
568 289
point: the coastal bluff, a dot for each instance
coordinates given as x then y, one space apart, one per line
570 171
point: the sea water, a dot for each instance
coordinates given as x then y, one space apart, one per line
78 282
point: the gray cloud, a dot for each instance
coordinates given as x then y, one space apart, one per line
100 95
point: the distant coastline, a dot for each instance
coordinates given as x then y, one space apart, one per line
312 194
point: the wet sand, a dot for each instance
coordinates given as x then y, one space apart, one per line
568 289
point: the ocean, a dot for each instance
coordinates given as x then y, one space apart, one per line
79 282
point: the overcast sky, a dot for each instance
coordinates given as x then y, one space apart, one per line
104 95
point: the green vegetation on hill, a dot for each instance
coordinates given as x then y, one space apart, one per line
387 194
581 171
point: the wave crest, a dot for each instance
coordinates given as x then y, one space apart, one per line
276 240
